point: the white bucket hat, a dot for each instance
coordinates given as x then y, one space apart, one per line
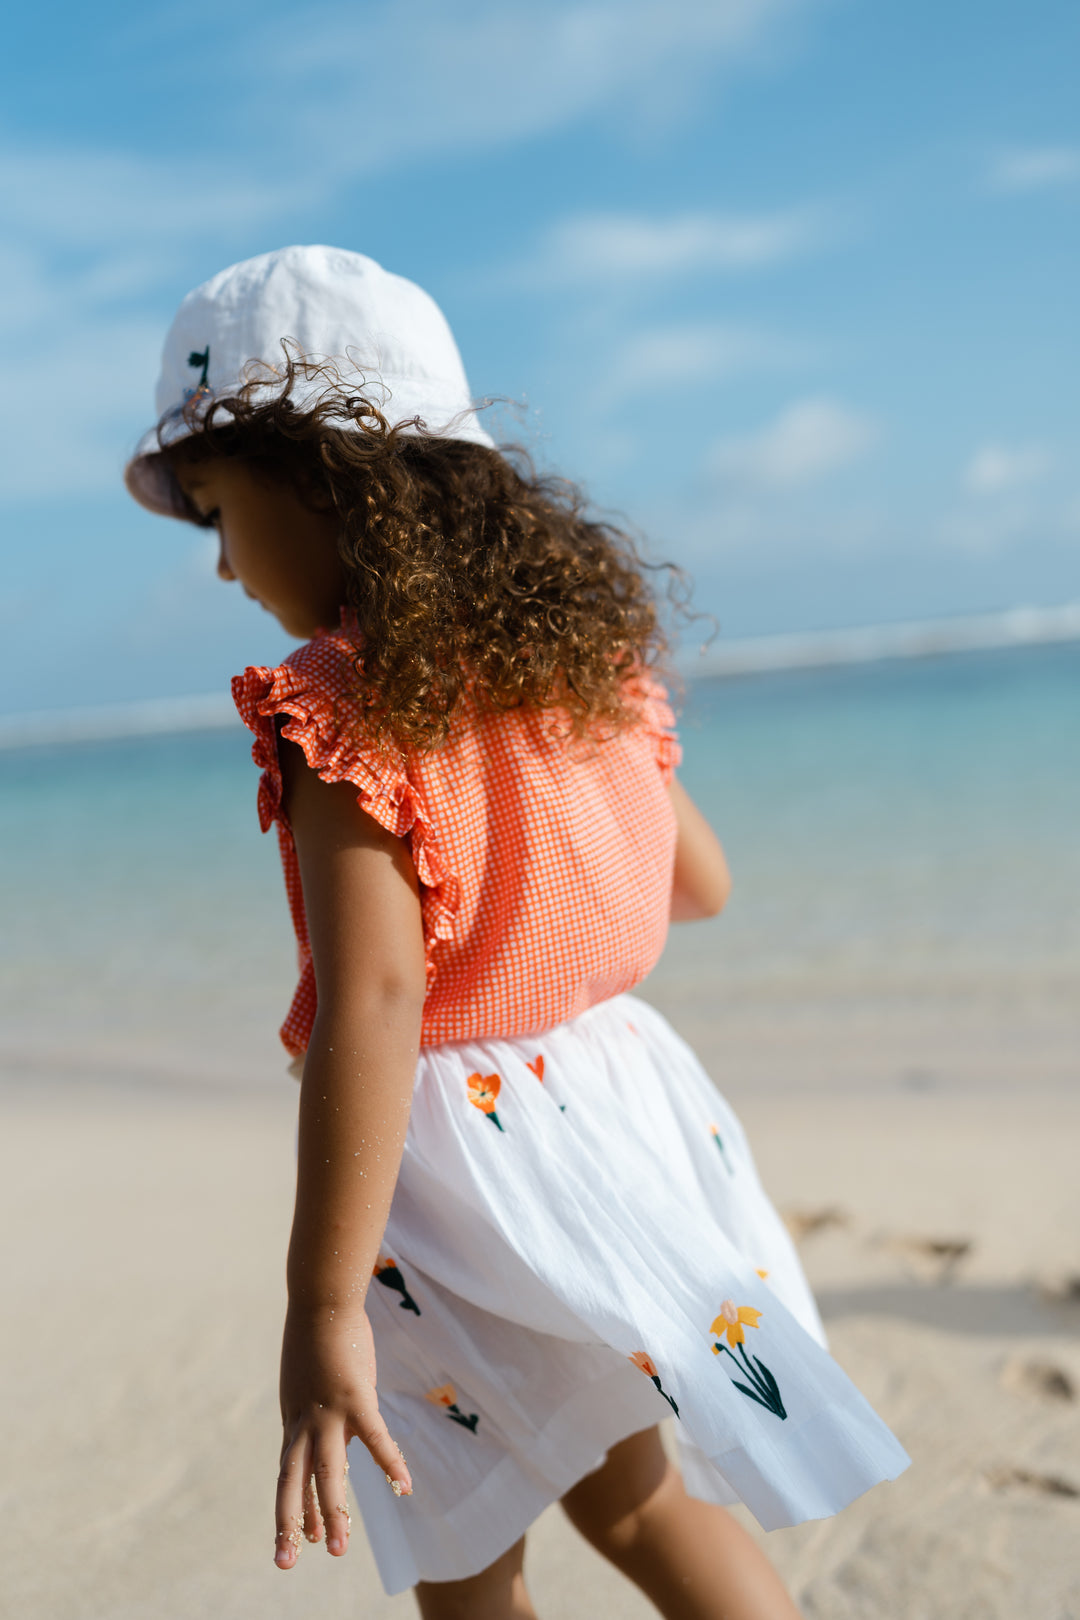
387 338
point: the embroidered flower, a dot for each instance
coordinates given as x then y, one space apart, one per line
648 1367
388 1272
719 1140
200 359
483 1093
446 1396
537 1067
730 1321
761 1386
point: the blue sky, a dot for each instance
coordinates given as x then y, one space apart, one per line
792 283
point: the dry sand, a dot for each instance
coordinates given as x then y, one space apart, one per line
940 1226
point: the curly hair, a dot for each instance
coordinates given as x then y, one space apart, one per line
473 579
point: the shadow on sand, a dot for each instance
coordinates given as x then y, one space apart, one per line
975 1308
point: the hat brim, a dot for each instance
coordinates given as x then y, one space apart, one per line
151 481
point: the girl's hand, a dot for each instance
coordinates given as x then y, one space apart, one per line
327 1397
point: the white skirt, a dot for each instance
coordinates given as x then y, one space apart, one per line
579 1247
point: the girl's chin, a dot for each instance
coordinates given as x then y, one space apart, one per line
299 623
293 625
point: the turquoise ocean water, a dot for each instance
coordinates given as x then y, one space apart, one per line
898 830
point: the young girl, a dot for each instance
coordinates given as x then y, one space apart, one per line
518 1195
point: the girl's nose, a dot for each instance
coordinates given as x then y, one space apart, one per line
224 571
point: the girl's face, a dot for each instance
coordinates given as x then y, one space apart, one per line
283 552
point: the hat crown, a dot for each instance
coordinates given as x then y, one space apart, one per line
333 303
387 338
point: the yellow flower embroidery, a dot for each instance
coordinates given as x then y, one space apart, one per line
760 1385
730 1321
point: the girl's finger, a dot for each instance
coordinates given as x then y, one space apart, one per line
331 1472
371 1431
313 1520
289 1506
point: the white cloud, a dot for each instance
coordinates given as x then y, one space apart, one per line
689 354
989 529
90 244
96 245
618 247
995 469
432 79
71 408
808 440
91 200
1035 168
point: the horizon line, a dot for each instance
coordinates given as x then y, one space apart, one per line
744 655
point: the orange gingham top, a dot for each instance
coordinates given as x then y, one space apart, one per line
545 865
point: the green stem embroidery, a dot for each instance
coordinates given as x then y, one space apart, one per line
391 1277
666 1396
766 1391
718 1139
200 357
495 1120
456 1415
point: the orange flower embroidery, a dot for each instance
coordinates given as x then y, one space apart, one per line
648 1366
537 1067
483 1093
388 1272
446 1396
730 1321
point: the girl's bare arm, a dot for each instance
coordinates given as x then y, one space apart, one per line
701 881
363 913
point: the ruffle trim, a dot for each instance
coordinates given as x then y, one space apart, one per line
384 791
657 719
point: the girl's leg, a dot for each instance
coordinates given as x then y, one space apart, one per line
497 1593
689 1557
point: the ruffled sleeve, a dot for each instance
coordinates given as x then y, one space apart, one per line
310 690
657 719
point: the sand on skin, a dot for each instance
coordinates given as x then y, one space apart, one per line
144 1293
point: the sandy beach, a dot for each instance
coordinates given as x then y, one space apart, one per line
938 1215
889 1002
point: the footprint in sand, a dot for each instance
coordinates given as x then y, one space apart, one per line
931 1259
803 1223
1039 1378
1008 1478
1062 1289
